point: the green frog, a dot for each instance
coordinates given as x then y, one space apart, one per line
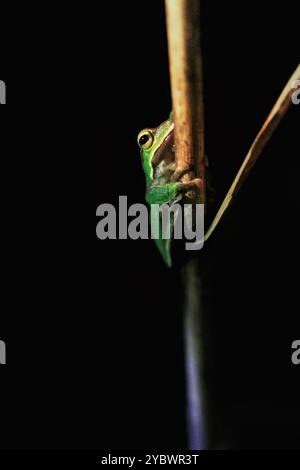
163 181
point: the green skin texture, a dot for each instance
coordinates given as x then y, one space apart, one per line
155 193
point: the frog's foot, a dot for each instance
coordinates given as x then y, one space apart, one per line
196 183
181 172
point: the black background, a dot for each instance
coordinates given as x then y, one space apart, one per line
94 329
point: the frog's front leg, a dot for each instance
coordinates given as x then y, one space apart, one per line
170 191
163 194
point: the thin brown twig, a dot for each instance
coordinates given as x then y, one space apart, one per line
279 110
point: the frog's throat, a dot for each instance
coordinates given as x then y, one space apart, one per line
162 149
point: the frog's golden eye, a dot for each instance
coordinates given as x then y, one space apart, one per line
145 139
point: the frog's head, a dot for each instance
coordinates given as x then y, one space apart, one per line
156 146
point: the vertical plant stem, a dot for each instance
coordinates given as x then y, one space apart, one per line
198 426
185 65
185 62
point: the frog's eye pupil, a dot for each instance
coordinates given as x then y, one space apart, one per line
144 139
